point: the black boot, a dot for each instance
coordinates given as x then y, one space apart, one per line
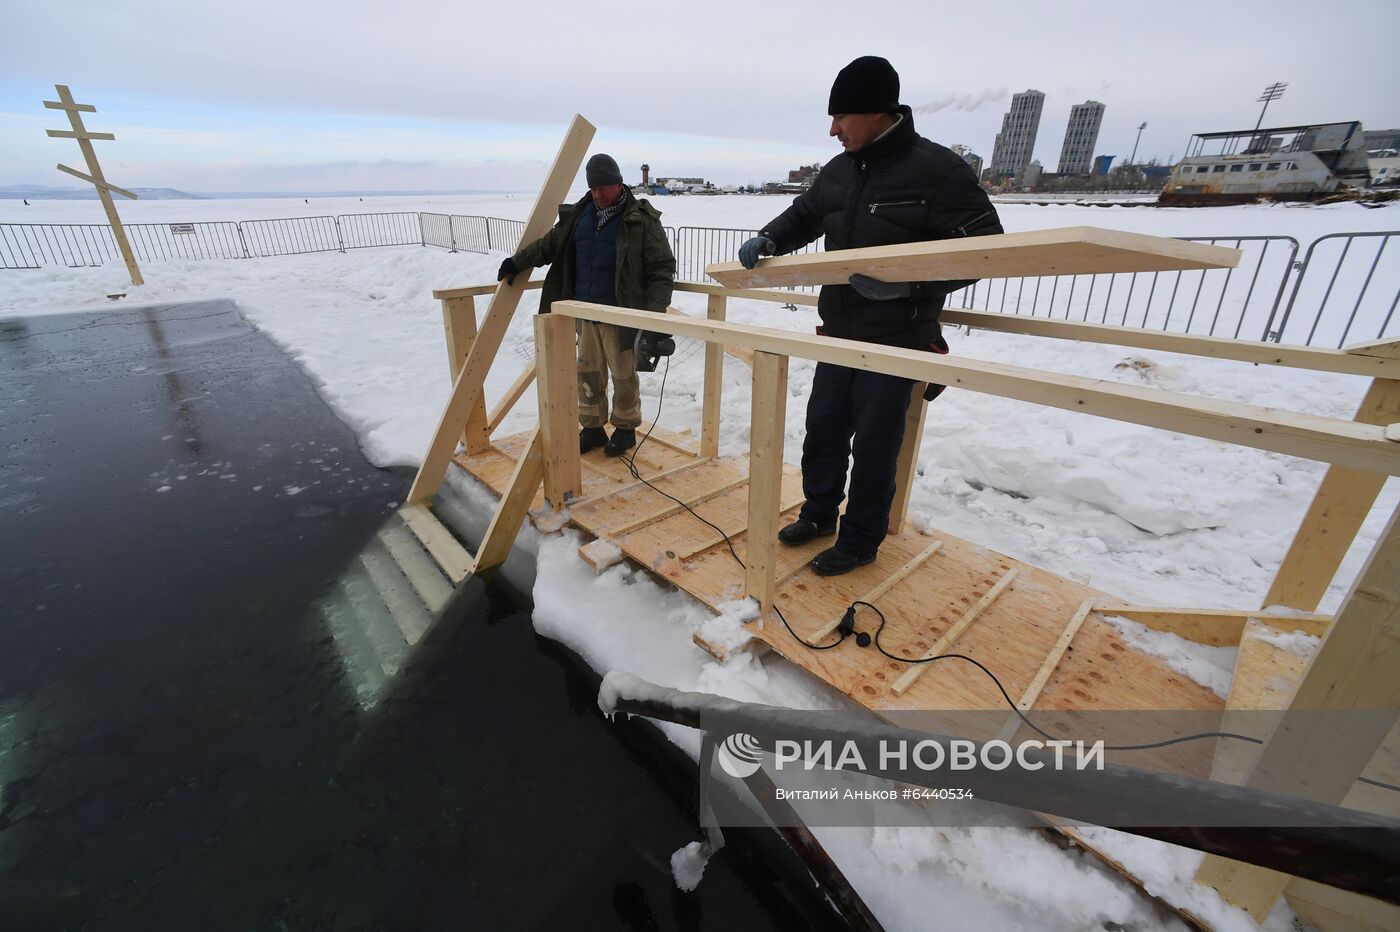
836 562
623 439
591 438
802 530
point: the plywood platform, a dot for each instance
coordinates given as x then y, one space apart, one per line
1015 635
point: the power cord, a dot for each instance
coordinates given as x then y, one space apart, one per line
846 627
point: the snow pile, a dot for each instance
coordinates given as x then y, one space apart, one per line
688 865
1295 642
1211 667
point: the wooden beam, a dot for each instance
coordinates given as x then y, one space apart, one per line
1336 514
77 134
503 304
459 325
61 105
512 395
714 383
889 583
514 506
475 291
1320 438
908 458
1065 251
653 478
915 671
101 184
1389 348
1269 354
800 298
1212 626
1356 667
454 559
766 432
712 539
743 355
557 380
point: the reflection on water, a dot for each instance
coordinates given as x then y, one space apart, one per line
381 607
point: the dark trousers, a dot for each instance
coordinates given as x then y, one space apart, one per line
852 412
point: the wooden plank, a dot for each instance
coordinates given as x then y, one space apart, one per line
1218 628
1339 910
1269 354
454 559
512 395
459 326
1057 653
800 298
1357 666
557 380
1338 509
889 583
600 554
1392 432
714 383
1065 251
421 571
83 134
908 458
69 105
626 487
917 670
743 355
504 301
101 184
510 514
1327 439
674 508
709 538
766 432
1388 348
412 614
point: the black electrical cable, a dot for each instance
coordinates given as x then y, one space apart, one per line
847 626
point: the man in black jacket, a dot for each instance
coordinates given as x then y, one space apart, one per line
890 185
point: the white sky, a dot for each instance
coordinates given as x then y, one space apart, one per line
415 95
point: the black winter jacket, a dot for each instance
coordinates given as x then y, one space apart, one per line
902 188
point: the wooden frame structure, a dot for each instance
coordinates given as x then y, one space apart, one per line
1358 663
94 174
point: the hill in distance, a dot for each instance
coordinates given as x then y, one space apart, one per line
38 192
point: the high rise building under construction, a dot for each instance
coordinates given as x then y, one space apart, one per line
1081 135
1016 141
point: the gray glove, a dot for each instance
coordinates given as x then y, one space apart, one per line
872 289
754 248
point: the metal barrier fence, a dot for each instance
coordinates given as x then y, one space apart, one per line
1345 289
1216 302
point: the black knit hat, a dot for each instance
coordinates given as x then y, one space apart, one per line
867 85
602 169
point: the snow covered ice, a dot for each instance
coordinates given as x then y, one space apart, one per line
1150 516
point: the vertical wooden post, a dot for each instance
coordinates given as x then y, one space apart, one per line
1357 667
766 432
714 384
472 379
1338 509
459 323
557 380
908 457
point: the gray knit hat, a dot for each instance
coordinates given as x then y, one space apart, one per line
602 169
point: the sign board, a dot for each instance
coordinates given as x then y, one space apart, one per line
182 229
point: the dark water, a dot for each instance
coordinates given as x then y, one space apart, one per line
181 746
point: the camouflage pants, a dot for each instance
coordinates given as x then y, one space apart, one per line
599 353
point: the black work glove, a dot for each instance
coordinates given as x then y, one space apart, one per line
508 271
754 248
872 289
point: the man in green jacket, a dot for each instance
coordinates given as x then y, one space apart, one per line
608 248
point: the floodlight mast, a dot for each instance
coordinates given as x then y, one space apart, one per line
1271 93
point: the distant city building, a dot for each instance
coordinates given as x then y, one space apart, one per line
1102 163
1080 137
1031 176
1382 138
973 160
805 175
1016 141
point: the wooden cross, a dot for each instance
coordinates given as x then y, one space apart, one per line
94 175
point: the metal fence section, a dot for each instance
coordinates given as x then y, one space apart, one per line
504 235
291 236
1344 293
697 247
1238 302
435 230
201 240
472 234
34 245
360 231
